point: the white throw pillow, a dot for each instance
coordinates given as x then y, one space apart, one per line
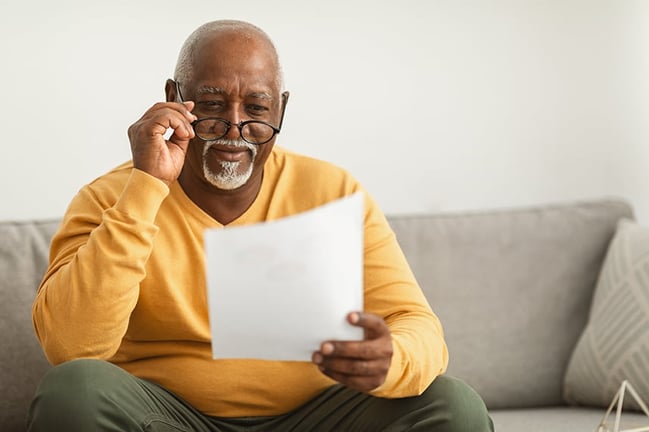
615 343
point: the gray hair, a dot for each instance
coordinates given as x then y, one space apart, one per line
183 72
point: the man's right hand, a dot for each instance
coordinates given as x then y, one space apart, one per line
153 154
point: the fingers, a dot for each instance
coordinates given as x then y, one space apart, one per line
362 365
151 152
162 116
363 374
353 366
363 383
377 341
354 358
184 129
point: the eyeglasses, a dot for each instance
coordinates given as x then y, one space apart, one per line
255 132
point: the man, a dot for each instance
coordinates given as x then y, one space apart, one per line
122 308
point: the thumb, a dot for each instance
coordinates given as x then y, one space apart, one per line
374 325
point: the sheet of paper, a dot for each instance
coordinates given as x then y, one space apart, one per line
277 290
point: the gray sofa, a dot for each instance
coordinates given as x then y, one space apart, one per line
513 289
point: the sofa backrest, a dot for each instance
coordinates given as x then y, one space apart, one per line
512 289
24 248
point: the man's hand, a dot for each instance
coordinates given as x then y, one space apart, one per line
153 154
361 365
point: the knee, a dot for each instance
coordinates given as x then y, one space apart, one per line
77 381
74 391
465 410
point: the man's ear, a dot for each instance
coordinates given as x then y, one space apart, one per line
170 91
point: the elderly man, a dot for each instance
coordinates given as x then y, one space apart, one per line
122 309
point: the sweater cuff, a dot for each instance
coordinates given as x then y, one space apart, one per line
142 196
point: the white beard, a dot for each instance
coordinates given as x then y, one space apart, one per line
229 178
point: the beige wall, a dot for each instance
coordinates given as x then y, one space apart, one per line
433 105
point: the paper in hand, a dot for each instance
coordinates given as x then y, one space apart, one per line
278 289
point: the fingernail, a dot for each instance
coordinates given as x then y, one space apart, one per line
317 358
327 348
354 318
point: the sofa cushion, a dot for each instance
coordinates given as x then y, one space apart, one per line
615 344
561 419
24 249
512 289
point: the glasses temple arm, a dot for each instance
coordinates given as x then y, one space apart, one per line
284 102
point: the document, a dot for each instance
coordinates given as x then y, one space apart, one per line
278 289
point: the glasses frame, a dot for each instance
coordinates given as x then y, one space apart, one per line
240 125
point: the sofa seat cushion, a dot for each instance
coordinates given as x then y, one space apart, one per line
560 419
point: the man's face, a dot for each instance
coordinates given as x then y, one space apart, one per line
233 78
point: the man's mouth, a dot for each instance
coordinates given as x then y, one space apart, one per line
229 153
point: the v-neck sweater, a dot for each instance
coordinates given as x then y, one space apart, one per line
126 283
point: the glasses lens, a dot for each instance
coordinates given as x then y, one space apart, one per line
257 132
211 128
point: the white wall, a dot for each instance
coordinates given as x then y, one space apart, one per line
433 105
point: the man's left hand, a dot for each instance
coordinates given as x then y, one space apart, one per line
361 365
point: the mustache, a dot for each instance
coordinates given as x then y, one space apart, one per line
230 142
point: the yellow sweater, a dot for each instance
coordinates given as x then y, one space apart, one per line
126 283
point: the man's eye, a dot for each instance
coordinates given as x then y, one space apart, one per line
257 109
210 105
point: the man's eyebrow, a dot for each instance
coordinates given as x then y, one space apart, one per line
219 91
261 95
209 90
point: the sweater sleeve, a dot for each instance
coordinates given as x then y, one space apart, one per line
97 260
419 351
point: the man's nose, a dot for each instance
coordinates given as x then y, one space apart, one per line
235 117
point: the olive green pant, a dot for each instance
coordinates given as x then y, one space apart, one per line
93 395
